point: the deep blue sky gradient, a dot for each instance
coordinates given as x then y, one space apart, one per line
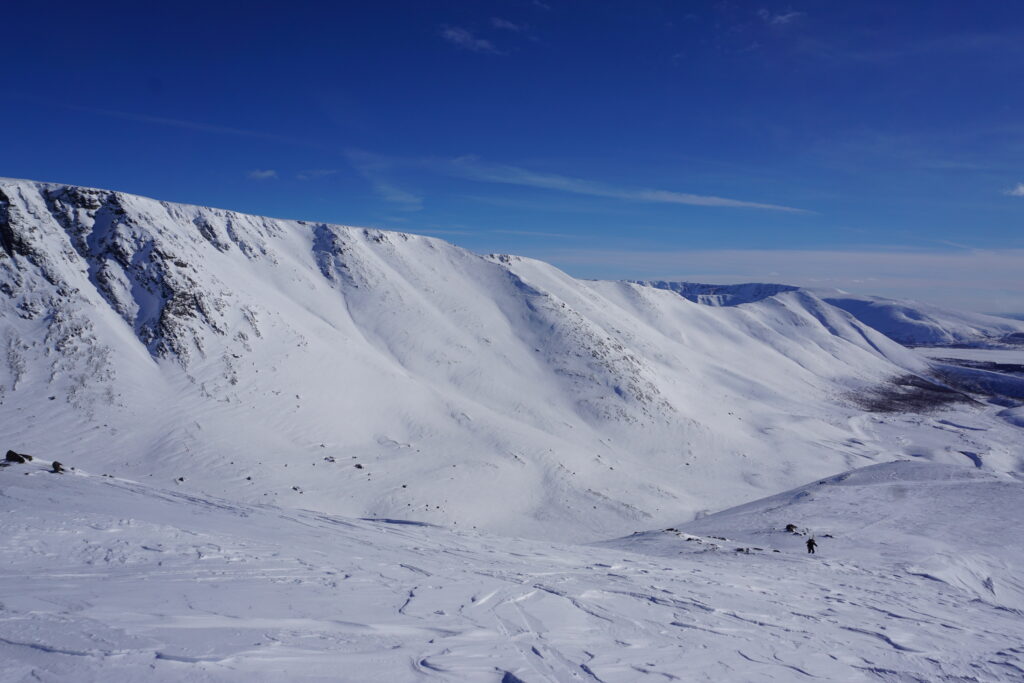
543 128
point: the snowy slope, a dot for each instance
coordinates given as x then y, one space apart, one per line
720 295
908 322
918 324
371 373
955 525
111 580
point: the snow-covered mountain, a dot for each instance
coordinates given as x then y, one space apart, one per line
720 295
372 373
261 422
908 322
919 324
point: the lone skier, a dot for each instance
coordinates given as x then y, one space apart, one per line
811 545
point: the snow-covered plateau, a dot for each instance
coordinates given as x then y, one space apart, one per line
299 451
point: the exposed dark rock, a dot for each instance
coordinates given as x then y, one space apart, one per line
57 467
1005 368
909 394
17 457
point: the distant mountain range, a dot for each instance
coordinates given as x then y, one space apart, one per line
908 322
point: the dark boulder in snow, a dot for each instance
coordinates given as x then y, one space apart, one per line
17 457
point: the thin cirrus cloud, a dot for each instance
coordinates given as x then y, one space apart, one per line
472 168
505 24
262 174
375 168
1017 191
463 38
314 173
170 122
781 19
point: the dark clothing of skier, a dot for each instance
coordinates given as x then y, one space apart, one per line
811 545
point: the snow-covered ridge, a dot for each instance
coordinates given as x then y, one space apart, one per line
263 360
908 322
720 295
918 324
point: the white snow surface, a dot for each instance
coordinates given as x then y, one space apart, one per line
908 322
370 373
111 580
920 324
292 447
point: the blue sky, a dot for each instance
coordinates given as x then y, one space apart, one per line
873 146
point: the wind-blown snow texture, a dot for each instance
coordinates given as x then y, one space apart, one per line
264 359
110 580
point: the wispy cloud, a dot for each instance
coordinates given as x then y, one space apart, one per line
1016 191
781 19
472 168
258 174
547 205
373 168
533 233
505 24
313 174
433 230
952 165
175 123
866 51
465 39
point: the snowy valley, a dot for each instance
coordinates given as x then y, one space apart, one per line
313 452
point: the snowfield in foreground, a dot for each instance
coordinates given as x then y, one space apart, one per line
916 579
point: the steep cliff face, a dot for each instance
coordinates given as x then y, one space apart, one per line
263 359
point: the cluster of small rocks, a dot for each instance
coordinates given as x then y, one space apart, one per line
13 457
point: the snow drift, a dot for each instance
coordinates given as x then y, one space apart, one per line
111 580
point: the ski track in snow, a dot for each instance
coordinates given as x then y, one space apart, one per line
111 580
